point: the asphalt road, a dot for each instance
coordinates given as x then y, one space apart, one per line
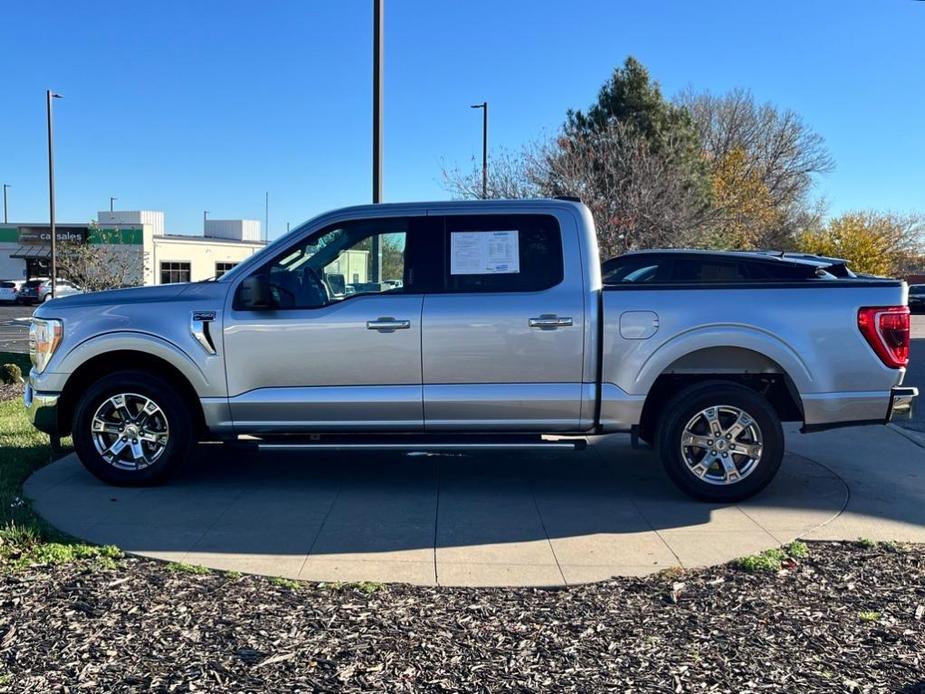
14 338
915 374
14 335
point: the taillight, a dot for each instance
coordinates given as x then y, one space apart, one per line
886 329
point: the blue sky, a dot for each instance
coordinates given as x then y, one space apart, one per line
189 105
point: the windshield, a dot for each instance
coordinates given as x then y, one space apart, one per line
270 248
917 289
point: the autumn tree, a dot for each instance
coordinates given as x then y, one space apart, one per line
745 208
873 243
766 144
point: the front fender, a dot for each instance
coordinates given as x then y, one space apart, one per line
65 364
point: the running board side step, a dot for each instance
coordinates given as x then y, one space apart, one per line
420 442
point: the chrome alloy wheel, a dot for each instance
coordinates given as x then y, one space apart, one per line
721 445
129 431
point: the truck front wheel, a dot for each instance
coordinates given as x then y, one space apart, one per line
132 428
720 441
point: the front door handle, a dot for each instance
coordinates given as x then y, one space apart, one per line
550 321
387 324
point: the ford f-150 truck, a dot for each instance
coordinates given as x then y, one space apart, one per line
472 325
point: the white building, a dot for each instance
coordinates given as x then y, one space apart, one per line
140 239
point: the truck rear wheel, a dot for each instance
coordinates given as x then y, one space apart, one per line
720 441
132 428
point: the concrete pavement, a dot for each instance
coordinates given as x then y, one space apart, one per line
547 518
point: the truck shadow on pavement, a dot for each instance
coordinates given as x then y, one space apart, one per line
483 518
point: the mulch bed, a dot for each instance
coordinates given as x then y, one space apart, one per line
10 391
848 618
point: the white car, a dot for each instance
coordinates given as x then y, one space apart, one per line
9 290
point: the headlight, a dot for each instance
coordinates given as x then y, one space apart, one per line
44 338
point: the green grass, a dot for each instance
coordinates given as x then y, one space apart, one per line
868 616
773 559
285 583
25 539
367 587
180 567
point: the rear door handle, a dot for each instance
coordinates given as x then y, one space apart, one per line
387 324
550 321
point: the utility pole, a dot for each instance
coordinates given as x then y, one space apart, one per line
5 216
266 217
111 201
484 107
50 96
378 11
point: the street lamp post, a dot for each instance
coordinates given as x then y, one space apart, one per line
5 216
111 201
266 217
50 96
484 107
378 11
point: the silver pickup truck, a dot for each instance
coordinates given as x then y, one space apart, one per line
472 325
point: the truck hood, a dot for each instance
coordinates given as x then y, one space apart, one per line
162 293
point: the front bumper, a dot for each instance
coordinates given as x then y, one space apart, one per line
902 402
42 409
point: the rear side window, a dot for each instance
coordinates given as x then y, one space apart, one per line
7 285
501 253
631 270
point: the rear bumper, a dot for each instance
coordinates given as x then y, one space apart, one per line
42 409
902 402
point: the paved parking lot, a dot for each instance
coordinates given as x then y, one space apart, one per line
14 334
489 519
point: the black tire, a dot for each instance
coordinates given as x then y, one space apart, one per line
176 411
691 401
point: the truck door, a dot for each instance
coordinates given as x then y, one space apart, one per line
339 346
503 337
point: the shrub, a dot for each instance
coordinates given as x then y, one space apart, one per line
10 374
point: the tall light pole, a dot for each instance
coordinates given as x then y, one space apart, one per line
50 96
484 107
111 201
266 217
5 216
378 11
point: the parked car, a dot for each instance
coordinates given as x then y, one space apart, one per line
9 290
917 297
38 290
502 334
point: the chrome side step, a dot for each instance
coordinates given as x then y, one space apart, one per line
419 446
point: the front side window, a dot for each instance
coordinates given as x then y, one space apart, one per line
172 271
346 260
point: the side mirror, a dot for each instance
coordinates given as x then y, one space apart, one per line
254 293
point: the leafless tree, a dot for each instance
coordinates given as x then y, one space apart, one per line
510 176
780 148
107 263
640 197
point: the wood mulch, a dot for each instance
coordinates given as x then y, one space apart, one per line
847 618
